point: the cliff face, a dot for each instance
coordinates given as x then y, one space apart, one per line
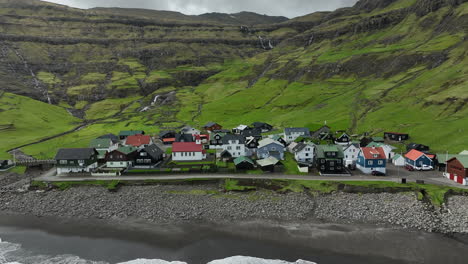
386 64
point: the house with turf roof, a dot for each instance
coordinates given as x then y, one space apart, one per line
270 148
395 136
268 164
323 133
123 157
371 159
149 156
457 169
124 134
378 139
115 139
329 159
76 160
398 160
188 151
343 139
244 163
418 159
102 146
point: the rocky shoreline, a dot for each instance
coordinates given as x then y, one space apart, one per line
206 202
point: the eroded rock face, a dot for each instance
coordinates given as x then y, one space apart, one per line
370 5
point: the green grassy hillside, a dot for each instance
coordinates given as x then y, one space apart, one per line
382 65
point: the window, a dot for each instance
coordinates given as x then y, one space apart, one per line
307 154
332 163
352 157
143 154
338 162
346 156
322 161
64 162
81 161
229 148
322 167
370 162
273 149
238 148
380 162
121 163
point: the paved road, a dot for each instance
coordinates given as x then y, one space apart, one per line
429 177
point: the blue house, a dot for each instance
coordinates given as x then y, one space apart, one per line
371 159
270 148
418 159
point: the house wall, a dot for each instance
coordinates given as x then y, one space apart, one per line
351 155
264 152
188 156
456 168
423 160
235 149
77 169
118 164
293 136
304 155
455 178
399 162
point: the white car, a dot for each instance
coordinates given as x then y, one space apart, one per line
424 168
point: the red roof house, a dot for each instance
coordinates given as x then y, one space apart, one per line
418 159
373 153
138 140
191 151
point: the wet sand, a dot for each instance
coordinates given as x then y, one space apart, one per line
198 242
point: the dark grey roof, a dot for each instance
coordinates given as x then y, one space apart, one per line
210 124
320 131
166 132
154 151
222 131
299 147
290 130
253 132
75 154
226 153
112 137
260 125
228 137
184 138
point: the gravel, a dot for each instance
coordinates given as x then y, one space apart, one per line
206 202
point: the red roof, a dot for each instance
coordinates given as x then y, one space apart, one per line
168 139
186 147
138 140
414 154
431 156
369 153
200 137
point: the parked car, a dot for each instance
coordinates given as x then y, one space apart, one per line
424 168
377 173
410 168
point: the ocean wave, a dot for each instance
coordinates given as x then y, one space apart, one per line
11 253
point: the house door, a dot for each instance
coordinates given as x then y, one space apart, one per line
452 177
460 179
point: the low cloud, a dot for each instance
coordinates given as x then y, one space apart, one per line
288 8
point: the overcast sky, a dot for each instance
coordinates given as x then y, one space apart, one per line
288 8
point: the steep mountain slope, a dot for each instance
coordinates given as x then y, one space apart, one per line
381 65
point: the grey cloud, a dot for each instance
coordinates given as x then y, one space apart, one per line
289 8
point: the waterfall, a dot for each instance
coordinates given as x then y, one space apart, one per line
155 100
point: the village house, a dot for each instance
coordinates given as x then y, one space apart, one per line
167 136
216 139
418 160
280 139
323 133
71 160
252 132
234 144
378 139
5 164
442 159
239 129
304 153
372 159
465 152
188 151
263 127
138 141
364 141
270 148
124 134
202 138
115 139
350 153
102 146
419 147
184 138
251 145
190 130
123 157
388 149
149 156
244 163
212 126
268 164
394 136
292 133
398 160
329 159
457 169
344 139
291 146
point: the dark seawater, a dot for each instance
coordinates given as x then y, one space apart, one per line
50 240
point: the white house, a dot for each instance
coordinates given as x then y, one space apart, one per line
189 130
235 145
292 133
398 160
388 149
351 154
187 151
304 153
239 129
76 160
